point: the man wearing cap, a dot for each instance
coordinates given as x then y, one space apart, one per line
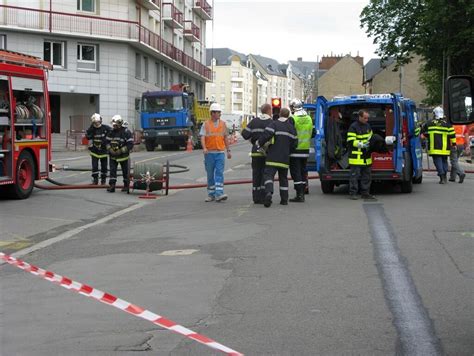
215 143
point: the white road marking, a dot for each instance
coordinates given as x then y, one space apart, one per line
178 252
68 234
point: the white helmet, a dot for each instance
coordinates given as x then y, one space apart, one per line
296 105
438 112
215 107
96 120
117 120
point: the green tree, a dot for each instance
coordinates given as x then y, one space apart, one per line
440 31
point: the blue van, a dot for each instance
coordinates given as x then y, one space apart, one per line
389 115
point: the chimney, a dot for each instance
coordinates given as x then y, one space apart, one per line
299 59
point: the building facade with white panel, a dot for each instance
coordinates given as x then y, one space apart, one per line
106 53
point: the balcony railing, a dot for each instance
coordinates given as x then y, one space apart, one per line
203 9
150 4
172 15
75 24
191 31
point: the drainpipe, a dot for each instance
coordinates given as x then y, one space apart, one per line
50 15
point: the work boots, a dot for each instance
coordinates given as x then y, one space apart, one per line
103 181
95 180
126 187
299 196
443 179
111 188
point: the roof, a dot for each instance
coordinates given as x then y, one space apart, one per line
303 68
374 66
270 65
223 56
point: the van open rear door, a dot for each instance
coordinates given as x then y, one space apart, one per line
321 108
415 141
397 132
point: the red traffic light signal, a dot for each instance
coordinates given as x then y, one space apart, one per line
276 102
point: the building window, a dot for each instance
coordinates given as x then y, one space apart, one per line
158 74
138 66
86 5
53 52
171 82
87 57
3 41
145 67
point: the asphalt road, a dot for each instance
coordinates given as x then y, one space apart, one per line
327 277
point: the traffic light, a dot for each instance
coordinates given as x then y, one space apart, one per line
276 106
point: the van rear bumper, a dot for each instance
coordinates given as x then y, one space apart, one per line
342 176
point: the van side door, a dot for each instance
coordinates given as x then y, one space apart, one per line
319 121
397 132
414 137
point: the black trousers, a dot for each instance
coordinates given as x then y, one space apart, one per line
113 171
360 175
103 167
258 188
268 176
298 173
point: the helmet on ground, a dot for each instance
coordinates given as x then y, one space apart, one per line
96 120
117 120
438 112
215 107
296 104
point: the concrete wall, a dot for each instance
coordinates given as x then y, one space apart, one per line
388 81
344 78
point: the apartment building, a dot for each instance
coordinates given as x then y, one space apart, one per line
341 75
381 77
232 83
106 53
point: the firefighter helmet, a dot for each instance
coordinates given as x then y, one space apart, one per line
117 120
438 112
96 120
215 107
296 105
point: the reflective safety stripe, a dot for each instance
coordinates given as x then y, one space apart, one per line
284 133
360 161
96 155
270 129
283 188
298 183
299 155
121 159
256 154
276 164
267 181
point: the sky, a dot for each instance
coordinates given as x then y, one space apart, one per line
285 30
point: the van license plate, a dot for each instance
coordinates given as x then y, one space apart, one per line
162 133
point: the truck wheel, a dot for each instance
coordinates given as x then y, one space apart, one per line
25 177
327 186
150 146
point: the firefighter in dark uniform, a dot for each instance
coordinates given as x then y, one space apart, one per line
282 135
441 137
119 145
253 131
360 161
299 156
97 135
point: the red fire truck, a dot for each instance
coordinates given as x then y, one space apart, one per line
25 123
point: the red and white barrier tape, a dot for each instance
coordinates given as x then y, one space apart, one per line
118 303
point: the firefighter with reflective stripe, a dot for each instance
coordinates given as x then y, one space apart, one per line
282 135
360 161
214 140
456 151
97 136
299 156
253 131
119 145
441 138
